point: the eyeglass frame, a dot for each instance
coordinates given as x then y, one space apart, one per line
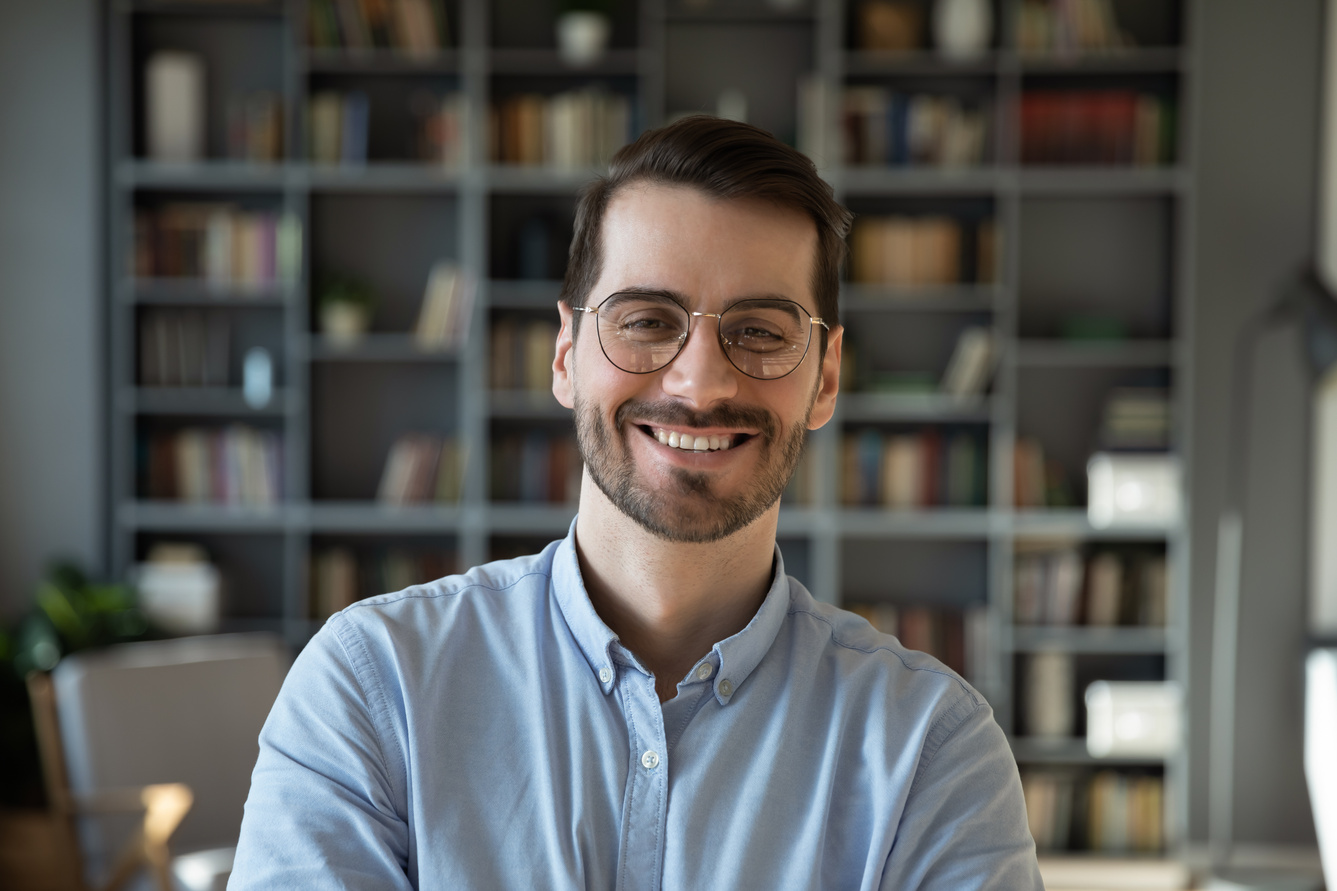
719 333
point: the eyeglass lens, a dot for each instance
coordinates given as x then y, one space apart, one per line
763 338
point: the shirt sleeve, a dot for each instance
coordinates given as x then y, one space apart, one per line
964 824
328 795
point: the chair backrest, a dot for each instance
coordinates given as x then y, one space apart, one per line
187 710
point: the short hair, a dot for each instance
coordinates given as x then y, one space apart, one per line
723 159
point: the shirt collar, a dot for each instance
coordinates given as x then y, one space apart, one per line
734 657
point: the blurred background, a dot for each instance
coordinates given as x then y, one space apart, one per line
276 314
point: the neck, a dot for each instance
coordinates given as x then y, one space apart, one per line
670 602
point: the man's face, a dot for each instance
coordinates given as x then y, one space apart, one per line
709 253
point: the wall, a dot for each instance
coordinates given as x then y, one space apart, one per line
1258 131
50 337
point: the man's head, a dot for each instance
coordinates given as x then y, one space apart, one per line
722 159
697 444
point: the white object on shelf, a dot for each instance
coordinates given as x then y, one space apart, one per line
1132 489
174 106
1132 719
962 28
180 596
257 377
1323 557
582 36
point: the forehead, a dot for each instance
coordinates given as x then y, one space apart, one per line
708 249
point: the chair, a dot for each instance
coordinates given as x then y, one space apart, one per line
131 734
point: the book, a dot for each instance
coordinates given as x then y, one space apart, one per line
447 305
1048 701
174 106
971 364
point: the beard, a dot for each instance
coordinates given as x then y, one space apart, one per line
686 508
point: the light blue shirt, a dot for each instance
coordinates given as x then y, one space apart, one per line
488 731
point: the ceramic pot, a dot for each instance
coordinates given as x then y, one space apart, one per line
344 323
962 27
582 36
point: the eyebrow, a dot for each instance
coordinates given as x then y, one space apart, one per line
681 299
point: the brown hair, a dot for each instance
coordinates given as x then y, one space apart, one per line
724 159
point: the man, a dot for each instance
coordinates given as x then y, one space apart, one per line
650 702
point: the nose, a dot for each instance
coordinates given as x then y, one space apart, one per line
701 374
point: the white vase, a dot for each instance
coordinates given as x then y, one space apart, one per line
962 28
582 36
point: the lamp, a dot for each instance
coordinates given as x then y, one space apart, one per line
1309 303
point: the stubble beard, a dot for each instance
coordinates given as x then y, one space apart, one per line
687 509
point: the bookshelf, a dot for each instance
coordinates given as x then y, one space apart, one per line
1074 259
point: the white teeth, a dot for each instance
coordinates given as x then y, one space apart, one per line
690 443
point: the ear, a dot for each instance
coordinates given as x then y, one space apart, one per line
824 406
562 386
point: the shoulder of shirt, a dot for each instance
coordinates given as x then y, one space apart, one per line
852 634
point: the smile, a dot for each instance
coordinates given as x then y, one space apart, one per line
690 443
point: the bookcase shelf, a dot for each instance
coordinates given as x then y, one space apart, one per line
1035 251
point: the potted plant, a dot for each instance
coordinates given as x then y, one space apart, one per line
346 304
583 27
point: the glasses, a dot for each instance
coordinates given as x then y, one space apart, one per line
764 338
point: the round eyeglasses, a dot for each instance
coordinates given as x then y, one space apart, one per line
763 337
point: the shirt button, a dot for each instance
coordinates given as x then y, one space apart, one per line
704 671
650 760
605 674
726 688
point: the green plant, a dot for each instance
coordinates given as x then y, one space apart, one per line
347 289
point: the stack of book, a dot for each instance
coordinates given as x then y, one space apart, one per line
915 470
413 27
220 244
255 127
233 465
536 466
1100 127
955 637
1136 419
183 348
522 351
1109 811
578 128
1069 26
1037 481
1062 586
888 128
422 467
341 576
911 251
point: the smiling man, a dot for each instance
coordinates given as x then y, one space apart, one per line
650 702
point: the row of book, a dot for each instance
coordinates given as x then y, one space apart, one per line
536 466
413 27
522 350
956 637
221 244
1106 811
447 308
1136 419
885 127
1037 480
1069 26
337 127
928 468
233 465
577 128
1114 127
1065 586
255 127
911 251
420 468
183 348
440 127
341 575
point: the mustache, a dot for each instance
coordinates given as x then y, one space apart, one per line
674 413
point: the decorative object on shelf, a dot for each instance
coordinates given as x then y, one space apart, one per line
583 28
962 28
174 107
346 305
1132 489
1133 719
179 589
257 377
